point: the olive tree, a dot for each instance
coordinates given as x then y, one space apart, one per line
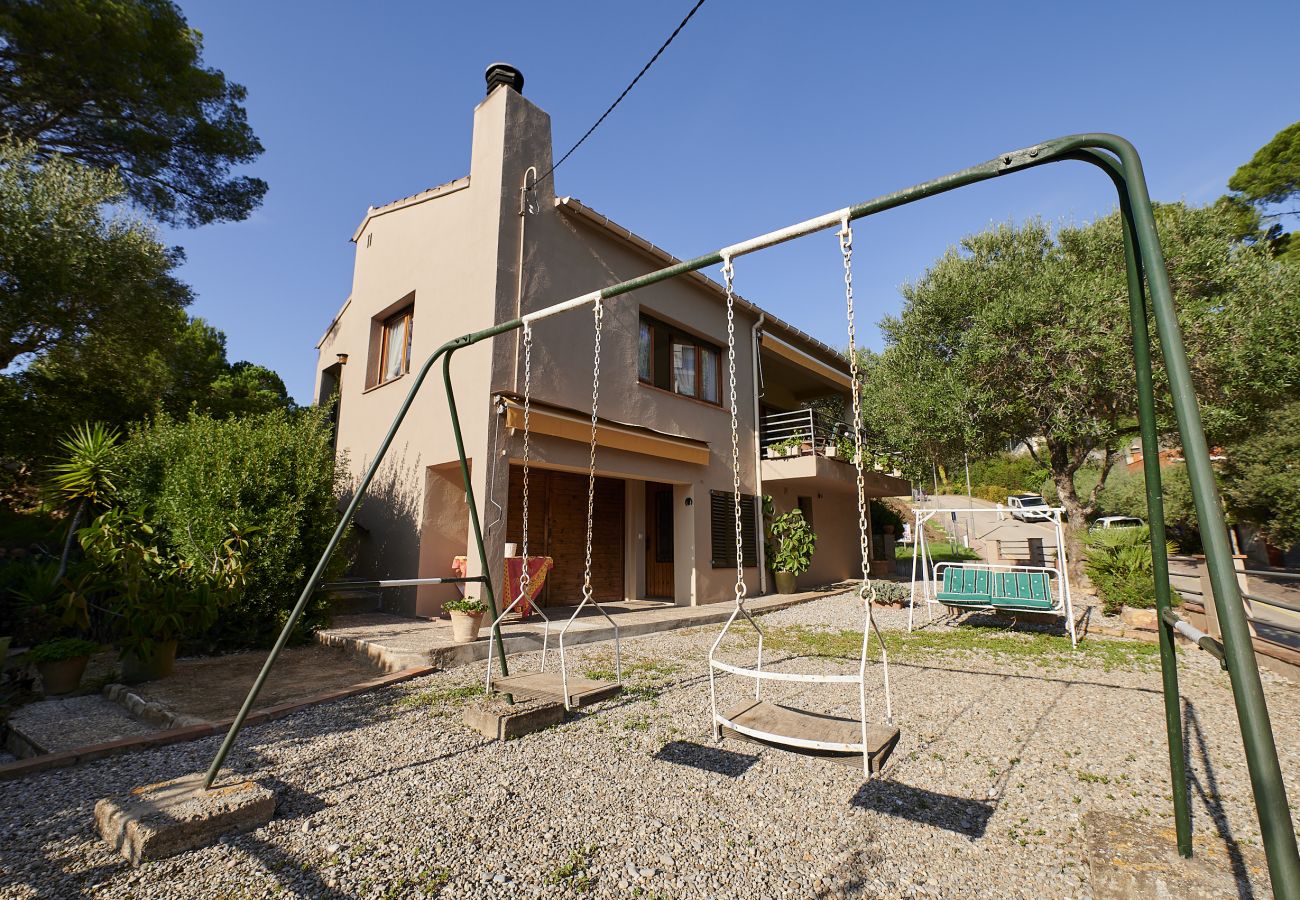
1021 335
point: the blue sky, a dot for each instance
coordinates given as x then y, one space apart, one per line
760 114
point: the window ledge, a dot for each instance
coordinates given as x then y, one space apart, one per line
394 380
653 387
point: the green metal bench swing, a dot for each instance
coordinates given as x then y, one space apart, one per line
996 587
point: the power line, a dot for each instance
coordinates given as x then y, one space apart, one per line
644 69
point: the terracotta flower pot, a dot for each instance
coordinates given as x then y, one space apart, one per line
785 582
465 626
62 676
157 663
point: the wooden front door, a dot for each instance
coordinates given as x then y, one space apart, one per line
659 540
557 527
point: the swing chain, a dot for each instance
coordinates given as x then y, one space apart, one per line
528 393
867 591
598 314
728 275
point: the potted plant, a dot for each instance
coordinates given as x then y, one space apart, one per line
792 547
61 663
844 448
791 446
156 595
466 619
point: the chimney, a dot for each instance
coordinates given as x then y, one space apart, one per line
503 73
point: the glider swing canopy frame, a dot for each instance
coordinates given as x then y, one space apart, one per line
1148 289
932 573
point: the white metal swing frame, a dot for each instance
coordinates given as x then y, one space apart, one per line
588 597
866 592
931 573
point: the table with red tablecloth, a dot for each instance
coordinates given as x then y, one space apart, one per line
538 568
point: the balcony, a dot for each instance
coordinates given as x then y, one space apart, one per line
803 432
800 450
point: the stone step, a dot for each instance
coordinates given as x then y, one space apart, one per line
50 726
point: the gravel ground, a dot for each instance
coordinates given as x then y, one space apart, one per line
386 795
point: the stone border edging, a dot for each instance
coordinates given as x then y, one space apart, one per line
78 755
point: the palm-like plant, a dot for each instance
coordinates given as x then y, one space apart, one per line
1120 566
84 476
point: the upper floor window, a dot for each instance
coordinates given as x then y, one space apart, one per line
395 346
671 359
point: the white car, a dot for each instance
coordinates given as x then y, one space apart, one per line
1116 522
1029 508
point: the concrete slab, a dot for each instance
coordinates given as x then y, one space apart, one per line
161 820
398 642
51 726
494 718
1131 860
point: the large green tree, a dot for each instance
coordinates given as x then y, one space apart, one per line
1273 173
120 85
67 269
1270 179
1261 477
1022 335
119 380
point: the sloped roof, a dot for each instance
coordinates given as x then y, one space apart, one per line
773 324
432 193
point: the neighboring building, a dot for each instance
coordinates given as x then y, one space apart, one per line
1168 456
459 257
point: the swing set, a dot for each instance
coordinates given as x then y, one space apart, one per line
1033 587
801 731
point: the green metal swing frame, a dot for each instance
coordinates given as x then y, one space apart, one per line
1148 293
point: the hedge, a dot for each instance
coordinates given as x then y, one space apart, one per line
273 473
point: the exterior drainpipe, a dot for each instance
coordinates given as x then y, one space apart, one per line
758 458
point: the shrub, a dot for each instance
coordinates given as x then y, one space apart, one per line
61 649
270 476
883 514
1120 566
154 593
1009 473
994 493
895 592
793 542
1125 495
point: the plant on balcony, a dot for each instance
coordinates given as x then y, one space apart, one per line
791 446
793 542
844 448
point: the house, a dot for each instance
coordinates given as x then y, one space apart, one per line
478 250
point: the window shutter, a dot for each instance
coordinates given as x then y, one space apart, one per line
722 529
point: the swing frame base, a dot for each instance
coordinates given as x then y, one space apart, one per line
500 721
160 820
548 686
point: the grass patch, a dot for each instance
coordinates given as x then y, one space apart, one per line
642 679
573 872
439 697
1045 650
939 551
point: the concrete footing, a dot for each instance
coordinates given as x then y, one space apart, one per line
1132 861
502 721
161 820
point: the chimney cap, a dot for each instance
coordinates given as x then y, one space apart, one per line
503 73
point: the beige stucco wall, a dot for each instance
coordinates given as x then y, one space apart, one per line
444 251
457 251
